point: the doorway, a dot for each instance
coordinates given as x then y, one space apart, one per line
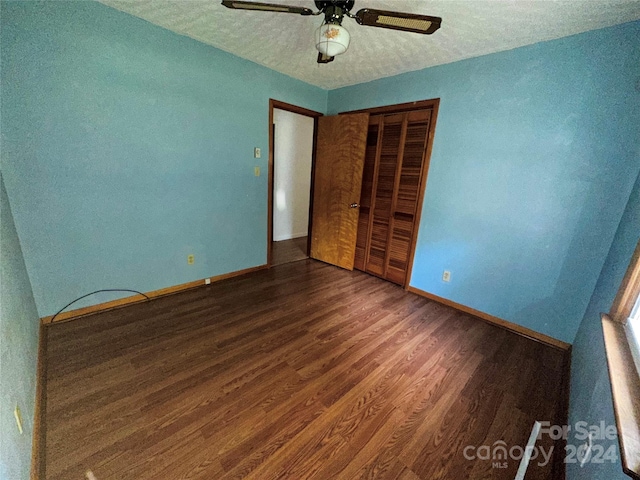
291 159
397 150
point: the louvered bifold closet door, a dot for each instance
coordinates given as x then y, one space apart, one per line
406 194
386 170
393 175
366 195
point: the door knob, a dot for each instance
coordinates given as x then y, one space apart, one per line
354 205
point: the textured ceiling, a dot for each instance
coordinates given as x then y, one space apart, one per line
284 42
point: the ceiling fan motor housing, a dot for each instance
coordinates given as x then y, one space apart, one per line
345 5
335 10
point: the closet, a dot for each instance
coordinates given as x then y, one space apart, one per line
395 168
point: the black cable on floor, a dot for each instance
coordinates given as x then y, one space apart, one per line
98 291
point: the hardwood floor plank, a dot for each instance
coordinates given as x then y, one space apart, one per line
300 371
286 251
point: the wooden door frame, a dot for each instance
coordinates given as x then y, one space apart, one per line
307 113
432 104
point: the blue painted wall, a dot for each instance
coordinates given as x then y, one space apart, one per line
19 325
535 154
126 147
590 387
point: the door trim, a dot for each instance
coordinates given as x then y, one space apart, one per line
399 108
300 111
433 105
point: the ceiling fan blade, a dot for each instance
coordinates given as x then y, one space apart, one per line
324 58
266 7
407 22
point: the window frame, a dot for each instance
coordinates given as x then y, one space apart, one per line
624 376
629 290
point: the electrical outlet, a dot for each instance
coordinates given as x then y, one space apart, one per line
446 276
257 153
18 415
256 171
191 259
207 281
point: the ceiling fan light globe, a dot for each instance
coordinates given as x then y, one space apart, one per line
332 39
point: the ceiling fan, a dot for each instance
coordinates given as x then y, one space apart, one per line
331 37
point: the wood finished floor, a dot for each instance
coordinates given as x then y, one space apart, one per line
286 251
300 371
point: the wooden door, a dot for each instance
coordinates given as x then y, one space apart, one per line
394 175
339 163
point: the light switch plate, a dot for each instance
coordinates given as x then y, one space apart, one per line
257 153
